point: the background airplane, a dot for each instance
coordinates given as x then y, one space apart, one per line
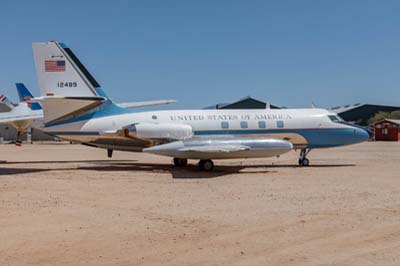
77 108
24 115
5 104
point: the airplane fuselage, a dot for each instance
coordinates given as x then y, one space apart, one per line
304 128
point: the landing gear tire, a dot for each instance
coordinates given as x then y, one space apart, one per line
179 162
303 161
206 165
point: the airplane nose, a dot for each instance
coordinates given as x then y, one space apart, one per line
360 135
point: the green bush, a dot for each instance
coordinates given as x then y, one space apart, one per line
383 115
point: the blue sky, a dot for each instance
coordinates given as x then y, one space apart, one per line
203 52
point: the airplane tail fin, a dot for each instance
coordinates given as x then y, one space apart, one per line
25 96
60 73
67 88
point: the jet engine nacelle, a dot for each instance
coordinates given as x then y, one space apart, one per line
157 131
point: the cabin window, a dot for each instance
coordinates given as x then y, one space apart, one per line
262 124
280 124
224 125
244 124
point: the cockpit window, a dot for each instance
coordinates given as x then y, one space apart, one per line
335 118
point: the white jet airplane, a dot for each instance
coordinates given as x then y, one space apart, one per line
24 115
76 108
29 114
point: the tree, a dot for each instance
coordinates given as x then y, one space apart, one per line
383 115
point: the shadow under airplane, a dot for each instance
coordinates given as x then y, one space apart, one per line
189 172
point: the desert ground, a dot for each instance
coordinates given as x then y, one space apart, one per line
63 204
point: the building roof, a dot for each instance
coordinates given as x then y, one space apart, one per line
357 112
244 103
394 121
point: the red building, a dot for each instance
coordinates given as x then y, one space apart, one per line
387 129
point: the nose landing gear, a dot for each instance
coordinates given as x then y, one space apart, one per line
303 161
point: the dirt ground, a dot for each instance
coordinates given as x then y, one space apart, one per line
66 204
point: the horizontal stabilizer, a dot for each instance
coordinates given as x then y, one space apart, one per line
145 103
60 108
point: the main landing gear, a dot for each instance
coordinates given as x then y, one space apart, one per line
303 161
204 165
18 141
109 153
179 162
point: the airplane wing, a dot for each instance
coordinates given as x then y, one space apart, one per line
131 105
7 118
20 116
20 120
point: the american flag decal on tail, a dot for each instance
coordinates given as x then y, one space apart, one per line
54 65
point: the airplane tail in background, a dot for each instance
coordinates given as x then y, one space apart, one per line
67 89
25 96
7 105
